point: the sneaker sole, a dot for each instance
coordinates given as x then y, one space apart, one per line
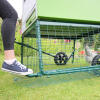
14 72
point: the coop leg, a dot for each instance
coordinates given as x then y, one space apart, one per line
73 52
39 46
22 50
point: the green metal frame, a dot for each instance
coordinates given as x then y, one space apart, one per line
22 50
53 72
39 46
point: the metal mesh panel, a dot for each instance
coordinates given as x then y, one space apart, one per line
30 56
63 46
59 38
55 46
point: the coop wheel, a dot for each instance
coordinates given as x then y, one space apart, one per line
60 58
96 61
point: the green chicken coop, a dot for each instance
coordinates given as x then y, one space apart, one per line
61 36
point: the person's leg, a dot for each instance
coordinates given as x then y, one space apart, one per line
9 16
9 54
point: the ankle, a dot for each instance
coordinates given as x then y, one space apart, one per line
9 54
9 62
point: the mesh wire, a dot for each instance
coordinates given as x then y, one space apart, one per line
56 39
30 56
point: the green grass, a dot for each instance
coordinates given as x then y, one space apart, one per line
84 88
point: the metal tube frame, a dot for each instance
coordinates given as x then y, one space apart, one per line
59 71
22 50
38 34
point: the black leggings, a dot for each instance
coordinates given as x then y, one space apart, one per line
9 16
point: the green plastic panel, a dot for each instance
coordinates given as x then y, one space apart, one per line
70 10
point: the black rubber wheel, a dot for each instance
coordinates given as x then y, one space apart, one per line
96 61
60 58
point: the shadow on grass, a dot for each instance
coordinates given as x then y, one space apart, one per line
35 82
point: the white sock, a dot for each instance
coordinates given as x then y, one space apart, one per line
9 62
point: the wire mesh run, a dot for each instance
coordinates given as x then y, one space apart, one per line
30 56
63 46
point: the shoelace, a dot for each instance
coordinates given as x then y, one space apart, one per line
20 65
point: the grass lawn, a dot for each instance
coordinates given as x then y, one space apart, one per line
49 88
